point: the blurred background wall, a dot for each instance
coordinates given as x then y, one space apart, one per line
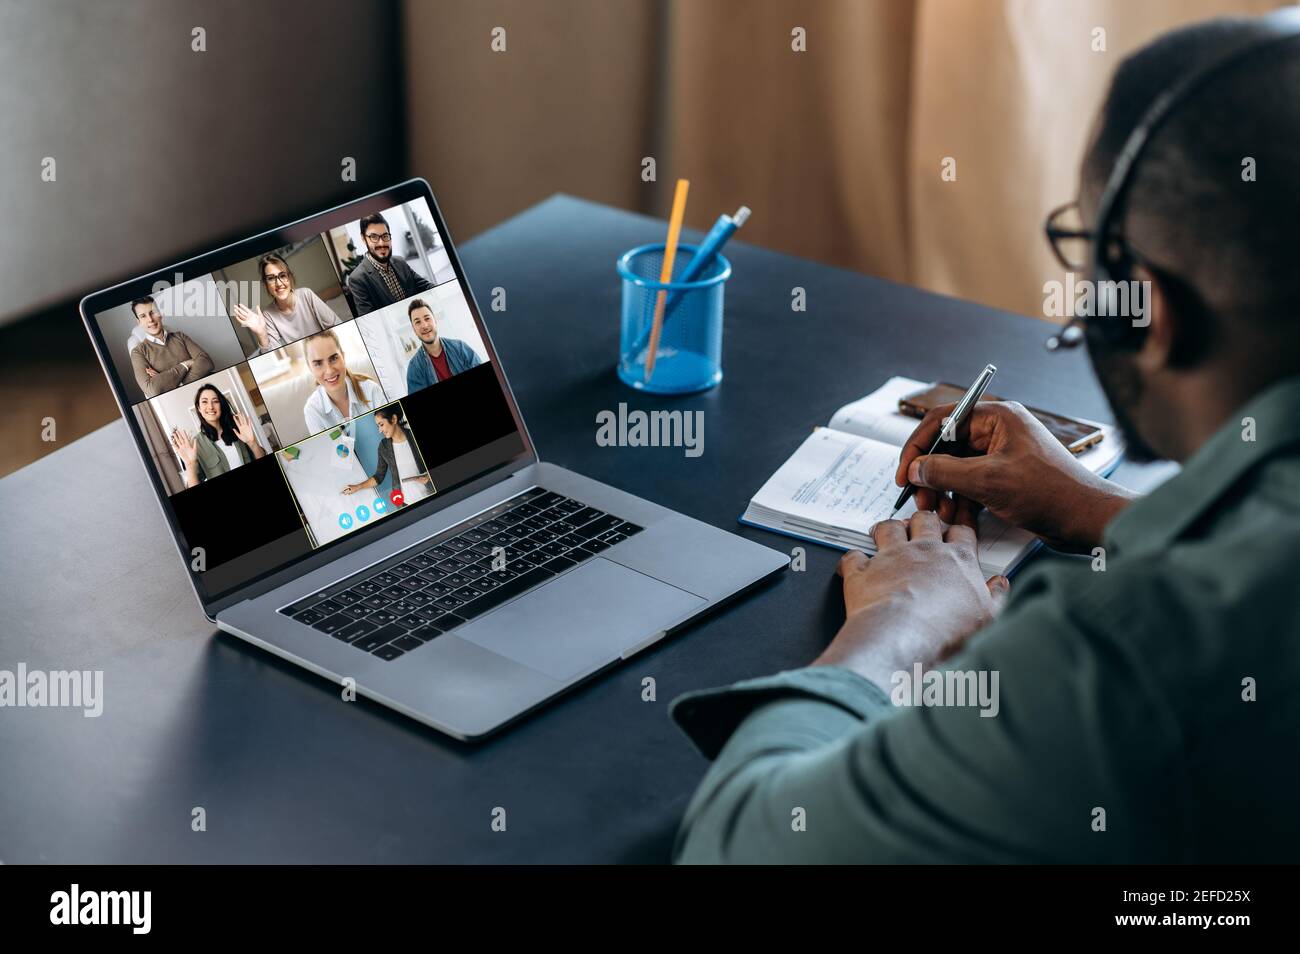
162 150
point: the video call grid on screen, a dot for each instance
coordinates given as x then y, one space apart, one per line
221 350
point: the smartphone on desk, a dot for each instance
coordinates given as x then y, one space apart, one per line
1076 434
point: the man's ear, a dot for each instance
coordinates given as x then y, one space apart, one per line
1162 332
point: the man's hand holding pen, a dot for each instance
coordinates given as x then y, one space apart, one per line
1010 464
923 594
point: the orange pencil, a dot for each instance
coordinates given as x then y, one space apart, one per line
666 272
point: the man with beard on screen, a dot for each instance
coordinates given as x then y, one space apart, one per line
1145 708
380 279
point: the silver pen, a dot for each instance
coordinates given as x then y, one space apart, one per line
955 420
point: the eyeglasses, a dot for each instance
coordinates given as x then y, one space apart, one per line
373 237
1071 242
277 278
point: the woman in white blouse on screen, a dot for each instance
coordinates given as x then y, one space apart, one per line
340 394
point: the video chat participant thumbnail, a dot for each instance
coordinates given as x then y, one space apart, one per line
293 312
438 358
201 431
350 475
382 279
226 439
320 382
341 394
164 359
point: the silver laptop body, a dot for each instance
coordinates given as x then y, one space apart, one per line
586 615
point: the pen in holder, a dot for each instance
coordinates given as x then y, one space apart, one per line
689 356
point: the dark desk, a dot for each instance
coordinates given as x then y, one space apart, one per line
284 769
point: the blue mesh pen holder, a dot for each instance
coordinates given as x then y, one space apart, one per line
689 356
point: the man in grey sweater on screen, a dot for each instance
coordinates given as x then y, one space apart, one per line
164 359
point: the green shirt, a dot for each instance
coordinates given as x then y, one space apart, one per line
1146 712
211 459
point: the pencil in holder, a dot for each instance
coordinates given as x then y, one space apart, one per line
689 355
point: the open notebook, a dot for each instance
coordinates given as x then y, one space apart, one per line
840 482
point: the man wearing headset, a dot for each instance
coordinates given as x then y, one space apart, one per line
1146 712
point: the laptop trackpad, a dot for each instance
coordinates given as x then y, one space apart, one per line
583 619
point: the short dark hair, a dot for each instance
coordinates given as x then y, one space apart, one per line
374 218
146 300
1226 239
418 303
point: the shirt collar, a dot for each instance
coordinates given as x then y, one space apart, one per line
326 406
160 340
1150 524
382 266
358 403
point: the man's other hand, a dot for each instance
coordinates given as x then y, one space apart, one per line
916 601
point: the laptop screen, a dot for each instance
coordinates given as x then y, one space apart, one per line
307 388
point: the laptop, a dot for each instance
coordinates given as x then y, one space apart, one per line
351 485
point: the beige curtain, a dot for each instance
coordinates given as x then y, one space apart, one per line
1009 88
838 149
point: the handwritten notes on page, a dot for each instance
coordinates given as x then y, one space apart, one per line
835 479
836 486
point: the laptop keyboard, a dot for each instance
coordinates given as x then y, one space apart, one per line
403 602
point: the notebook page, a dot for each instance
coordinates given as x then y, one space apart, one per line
876 415
836 479
841 482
